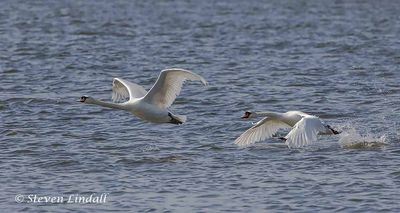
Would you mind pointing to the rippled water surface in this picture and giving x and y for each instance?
(336, 59)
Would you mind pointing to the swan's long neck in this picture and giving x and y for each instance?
(107, 104)
(267, 114)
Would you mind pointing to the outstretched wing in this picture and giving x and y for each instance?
(168, 86)
(262, 130)
(123, 90)
(304, 132)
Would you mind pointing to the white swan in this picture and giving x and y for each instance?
(153, 105)
(305, 128)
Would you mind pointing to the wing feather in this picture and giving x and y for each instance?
(123, 90)
(169, 85)
(304, 132)
(262, 130)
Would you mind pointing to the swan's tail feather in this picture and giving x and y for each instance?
(178, 119)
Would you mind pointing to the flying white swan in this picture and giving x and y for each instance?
(305, 128)
(153, 105)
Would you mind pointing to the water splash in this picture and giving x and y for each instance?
(352, 139)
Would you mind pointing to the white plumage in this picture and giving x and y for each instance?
(305, 128)
(153, 105)
(124, 90)
(169, 85)
(262, 130)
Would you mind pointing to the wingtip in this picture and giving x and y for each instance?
(237, 143)
(175, 69)
(203, 80)
(205, 83)
(241, 144)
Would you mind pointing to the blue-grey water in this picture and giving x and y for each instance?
(338, 60)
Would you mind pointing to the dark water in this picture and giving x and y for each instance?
(335, 59)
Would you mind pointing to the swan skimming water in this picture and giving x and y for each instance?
(305, 128)
(153, 105)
